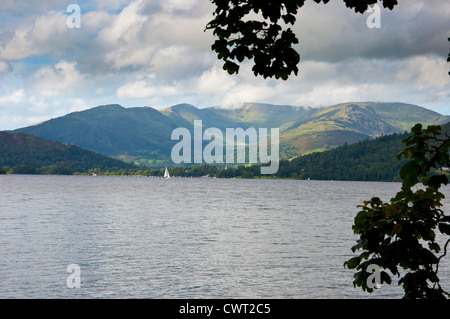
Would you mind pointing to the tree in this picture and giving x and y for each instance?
(402, 233)
(391, 234)
(265, 41)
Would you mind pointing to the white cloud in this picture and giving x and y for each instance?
(177, 5)
(95, 20)
(39, 35)
(215, 80)
(15, 97)
(79, 105)
(123, 36)
(246, 93)
(165, 40)
(425, 72)
(126, 25)
(58, 80)
(144, 89)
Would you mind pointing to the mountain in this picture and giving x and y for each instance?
(265, 115)
(353, 122)
(145, 133)
(248, 115)
(184, 115)
(27, 153)
(111, 130)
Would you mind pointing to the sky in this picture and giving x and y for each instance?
(157, 53)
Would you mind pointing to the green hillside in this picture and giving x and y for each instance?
(352, 122)
(265, 115)
(143, 134)
(369, 160)
(184, 115)
(111, 130)
(23, 153)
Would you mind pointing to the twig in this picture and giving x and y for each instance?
(439, 259)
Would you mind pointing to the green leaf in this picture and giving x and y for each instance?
(352, 263)
(436, 181)
(444, 228)
(289, 18)
(409, 173)
(434, 246)
(231, 67)
(385, 278)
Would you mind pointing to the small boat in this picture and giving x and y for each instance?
(166, 174)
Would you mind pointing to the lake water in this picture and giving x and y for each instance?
(136, 237)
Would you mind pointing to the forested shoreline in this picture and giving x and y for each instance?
(371, 160)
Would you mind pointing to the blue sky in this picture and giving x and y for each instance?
(156, 53)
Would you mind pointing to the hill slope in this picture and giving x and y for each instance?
(111, 130)
(352, 122)
(33, 154)
(370, 160)
(143, 132)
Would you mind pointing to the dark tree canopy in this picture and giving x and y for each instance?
(400, 236)
(264, 41)
(394, 236)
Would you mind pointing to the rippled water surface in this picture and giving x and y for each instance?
(182, 238)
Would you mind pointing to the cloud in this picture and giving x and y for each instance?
(178, 5)
(79, 105)
(4, 67)
(36, 36)
(110, 4)
(425, 72)
(15, 97)
(215, 80)
(335, 33)
(126, 26)
(29, 6)
(144, 89)
(156, 53)
(57, 80)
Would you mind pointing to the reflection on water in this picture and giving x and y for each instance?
(181, 238)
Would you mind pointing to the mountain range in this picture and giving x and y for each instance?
(145, 133)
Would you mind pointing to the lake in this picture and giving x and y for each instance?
(144, 237)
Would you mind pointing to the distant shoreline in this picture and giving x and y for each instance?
(201, 177)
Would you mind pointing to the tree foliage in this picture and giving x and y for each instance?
(401, 234)
(264, 40)
(33, 155)
(369, 160)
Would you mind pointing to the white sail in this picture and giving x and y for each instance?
(166, 173)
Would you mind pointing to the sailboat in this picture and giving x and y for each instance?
(166, 174)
